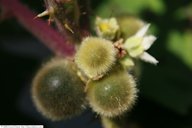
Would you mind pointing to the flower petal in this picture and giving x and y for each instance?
(148, 58)
(132, 42)
(136, 52)
(142, 31)
(148, 41)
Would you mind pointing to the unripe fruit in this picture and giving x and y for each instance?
(57, 91)
(129, 25)
(95, 56)
(112, 95)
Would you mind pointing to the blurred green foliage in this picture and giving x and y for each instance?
(180, 44)
(131, 6)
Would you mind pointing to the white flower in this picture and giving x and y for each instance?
(137, 45)
(106, 28)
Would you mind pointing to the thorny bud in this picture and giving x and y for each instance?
(57, 91)
(65, 13)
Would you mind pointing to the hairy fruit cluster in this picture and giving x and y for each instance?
(111, 90)
(98, 74)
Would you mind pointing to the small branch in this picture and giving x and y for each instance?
(4, 14)
(51, 38)
(65, 14)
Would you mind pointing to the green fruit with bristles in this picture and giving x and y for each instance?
(95, 56)
(57, 91)
(129, 25)
(112, 95)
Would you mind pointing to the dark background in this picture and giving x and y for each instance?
(165, 96)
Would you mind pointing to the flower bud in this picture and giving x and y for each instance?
(106, 28)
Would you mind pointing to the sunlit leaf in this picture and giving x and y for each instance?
(112, 7)
(180, 44)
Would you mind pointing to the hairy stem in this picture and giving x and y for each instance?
(71, 17)
(51, 38)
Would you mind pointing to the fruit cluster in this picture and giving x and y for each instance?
(98, 75)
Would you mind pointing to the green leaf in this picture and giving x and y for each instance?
(184, 12)
(112, 7)
(181, 45)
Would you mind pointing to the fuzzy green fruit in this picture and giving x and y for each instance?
(57, 92)
(95, 56)
(129, 25)
(112, 95)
